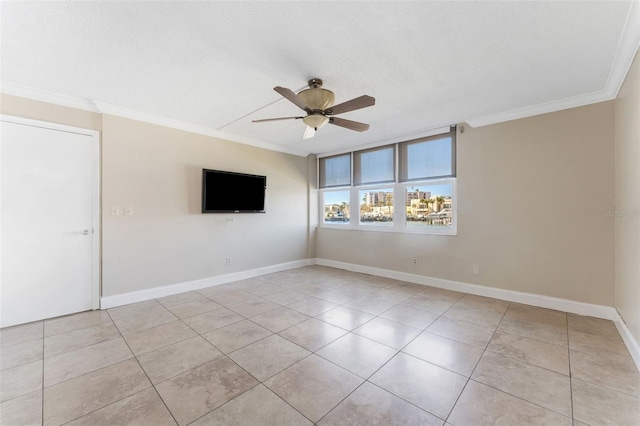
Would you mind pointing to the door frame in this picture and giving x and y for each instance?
(95, 196)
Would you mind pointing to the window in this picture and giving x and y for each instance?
(376, 206)
(336, 207)
(403, 187)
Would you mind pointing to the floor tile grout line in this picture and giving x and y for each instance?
(573, 418)
(150, 381)
(477, 362)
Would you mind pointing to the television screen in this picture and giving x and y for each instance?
(229, 192)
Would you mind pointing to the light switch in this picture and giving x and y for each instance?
(115, 211)
(128, 211)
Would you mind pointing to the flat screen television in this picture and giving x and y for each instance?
(229, 192)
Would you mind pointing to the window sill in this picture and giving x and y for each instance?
(449, 230)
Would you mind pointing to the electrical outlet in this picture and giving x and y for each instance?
(115, 211)
(476, 269)
(128, 211)
(414, 261)
(230, 219)
(228, 261)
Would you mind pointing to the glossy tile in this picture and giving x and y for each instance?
(534, 314)
(339, 296)
(313, 386)
(194, 307)
(370, 405)
(312, 334)
(472, 301)
(211, 320)
(78, 339)
(594, 326)
(72, 364)
(196, 392)
(542, 387)
(74, 322)
(387, 332)
(257, 406)
(77, 397)
(279, 319)
(371, 305)
(591, 343)
(410, 316)
(462, 331)
(268, 356)
(549, 333)
(428, 386)
(144, 408)
(263, 289)
(312, 306)
(357, 354)
(156, 337)
(21, 380)
(617, 372)
(597, 405)
(175, 359)
(344, 317)
(450, 354)
(488, 317)
(149, 307)
(541, 354)
(24, 411)
(235, 336)
(21, 333)
(177, 299)
(254, 307)
(231, 297)
(286, 297)
(482, 405)
(22, 353)
(134, 323)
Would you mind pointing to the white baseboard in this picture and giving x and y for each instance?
(168, 290)
(627, 337)
(565, 305)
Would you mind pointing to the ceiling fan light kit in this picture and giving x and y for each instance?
(318, 104)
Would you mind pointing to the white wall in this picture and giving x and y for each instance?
(627, 200)
(531, 200)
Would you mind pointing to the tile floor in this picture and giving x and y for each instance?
(322, 346)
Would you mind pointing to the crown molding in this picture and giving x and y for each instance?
(625, 54)
(106, 108)
(46, 96)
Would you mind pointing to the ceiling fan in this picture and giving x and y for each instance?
(318, 104)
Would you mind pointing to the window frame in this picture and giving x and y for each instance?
(399, 188)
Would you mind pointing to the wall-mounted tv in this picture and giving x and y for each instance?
(229, 192)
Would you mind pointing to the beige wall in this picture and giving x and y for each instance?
(158, 171)
(27, 108)
(627, 193)
(531, 201)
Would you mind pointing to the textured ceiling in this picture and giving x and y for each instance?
(213, 65)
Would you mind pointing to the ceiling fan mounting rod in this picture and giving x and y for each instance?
(315, 83)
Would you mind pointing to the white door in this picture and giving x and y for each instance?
(49, 223)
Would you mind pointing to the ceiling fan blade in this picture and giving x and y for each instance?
(275, 119)
(357, 103)
(348, 124)
(291, 96)
(308, 133)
